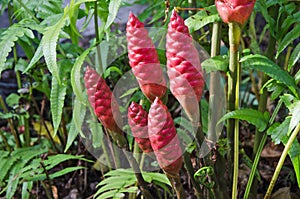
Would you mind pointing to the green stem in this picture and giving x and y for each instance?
(281, 161)
(263, 99)
(177, 185)
(11, 125)
(27, 132)
(5, 141)
(236, 139)
(190, 170)
(97, 37)
(215, 113)
(259, 151)
(233, 103)
(138, 174)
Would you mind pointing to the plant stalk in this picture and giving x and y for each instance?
(177, 185)
(263, 99)
(11, 124)
(259, 151)
(281, 161)
(98, 51)
(138, 174)
(190, 170)
(233, 103)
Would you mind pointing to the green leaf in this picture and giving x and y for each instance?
(26, 189)
(289, 37)
(57, 98)
(108, 194)
(113, 8)
(112, 69)
(78, 2)
(295, 115)
(71, 136)
(49, 42)
(76, 76)
(65, 171)
(129, 92)
(217, 63)
(294, 57)
(13, 100)
(54, 160)
(262, 63)
(202, 18)
(78, 116)
(8, 39)
(37, 56)
(97, 132)
(278, 131)
(252, 116)
(159, 177)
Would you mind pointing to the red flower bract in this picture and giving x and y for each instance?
(163, 138)
(144, 60)
(91, 78)
(106, 107)
(138, 122)
(184, 67)
(235, 10)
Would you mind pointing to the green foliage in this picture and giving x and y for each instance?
(121, 181)
(202, 18)
(8, 39)
(24, 166)
(252, 116)
(57, 98)
(262, 63)
(217, 63)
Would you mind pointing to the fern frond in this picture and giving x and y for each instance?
(8, 39)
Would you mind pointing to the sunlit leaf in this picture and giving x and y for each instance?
(252, 116)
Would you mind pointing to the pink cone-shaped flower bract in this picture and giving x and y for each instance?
(143, 59)
(106, 107)
(163, 138)
(184, 67)
(91, 78)
(235, 10)
(138, 122)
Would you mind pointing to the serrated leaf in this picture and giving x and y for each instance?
(49, 42)
(57, 98)
(217, 63)
(79, 112)
(65, 171)
(278, 131)
(113, 8)
(295, 115)
(252, 116)
(71, 136)
(7, 42)
(97, 132)
(54, 160)
(202, 18)
(289, 37)
(262, 63)
(37, 56)
(76, 76)
(294, 57)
